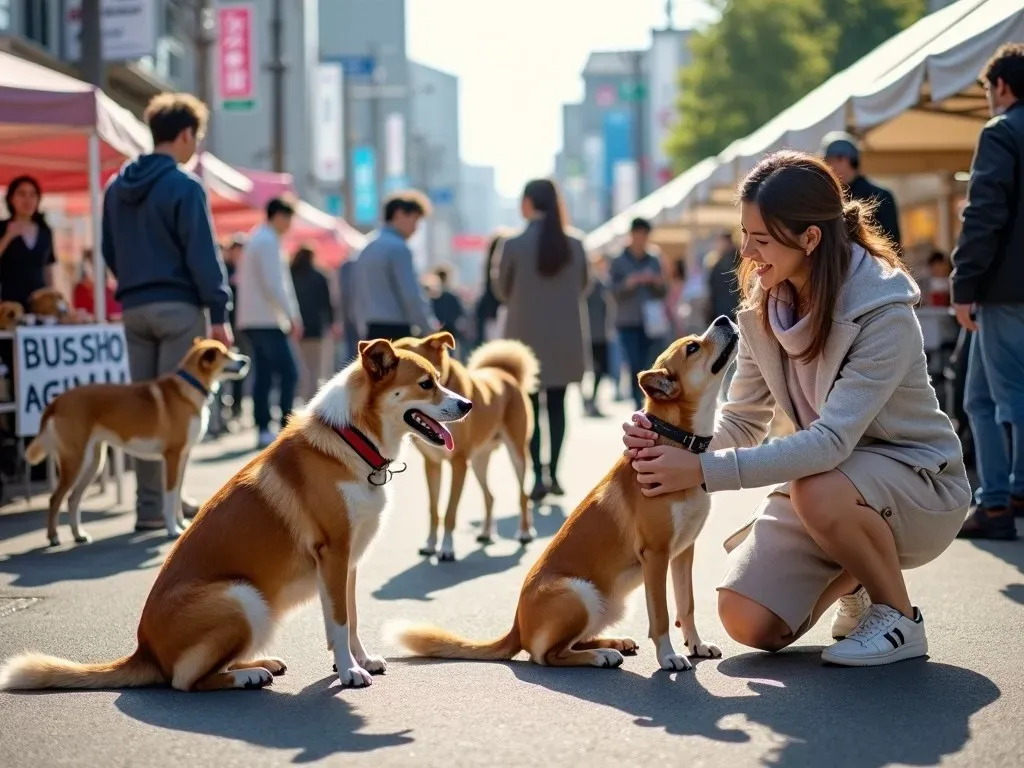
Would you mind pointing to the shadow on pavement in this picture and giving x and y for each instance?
(547, 519)
(427, 577)
(33, 521)
(1011, 553)
(912, 713)
(82, 562)
(220, 458)
(317, 721)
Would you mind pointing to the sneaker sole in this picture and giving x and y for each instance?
(912, 650)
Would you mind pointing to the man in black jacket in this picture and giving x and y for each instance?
(841, 152)
(988, 296)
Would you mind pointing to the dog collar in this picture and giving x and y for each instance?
(193, 382)
(691, 442)
(365, 449)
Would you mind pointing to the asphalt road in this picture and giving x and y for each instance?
(961, 707)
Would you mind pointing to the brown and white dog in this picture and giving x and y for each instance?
(294, 521)
(617, 538)
(157, 420)
(11, 313)
(498, 379)
(50, 303)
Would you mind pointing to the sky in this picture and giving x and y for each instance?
(518, 61)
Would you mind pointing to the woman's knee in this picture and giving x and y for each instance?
(750, 623)
(821, 501)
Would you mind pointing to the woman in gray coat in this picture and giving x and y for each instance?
(541, 277)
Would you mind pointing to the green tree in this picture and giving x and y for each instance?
(761, 56)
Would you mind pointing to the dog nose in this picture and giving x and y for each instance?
(465, 406)
(722, 322)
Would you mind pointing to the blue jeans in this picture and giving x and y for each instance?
(638, 351)
(994, 397)
(273, 358)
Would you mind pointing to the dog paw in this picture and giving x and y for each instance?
(704, 651)
(525, 537)
(277, 667)
(626, 645)
(355, 677)
(427, 551)
(673, 662)
(446, 556)
(82, 538)
(53, 541)
(485, 538)
(375, 665)
(175, 532)
(257, 677)
(607, 657)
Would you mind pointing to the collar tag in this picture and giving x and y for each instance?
(381, 471)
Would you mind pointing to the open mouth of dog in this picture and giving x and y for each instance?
(723, 359)
(432, 430)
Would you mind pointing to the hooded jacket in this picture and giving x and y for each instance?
(158, 238)
(872, 392)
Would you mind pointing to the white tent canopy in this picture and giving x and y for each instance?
(913, 100)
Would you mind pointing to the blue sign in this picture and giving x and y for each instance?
(442, 195)
(617, 126)
(355, 66)
(334, 205)
(364, 185)
(395, 183)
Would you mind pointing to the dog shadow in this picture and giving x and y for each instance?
(547, 519)
(226, 456)
(1010, 553)
(315, 723)
(427, 577)
(912, 713)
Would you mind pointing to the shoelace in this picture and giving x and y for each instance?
(874, 623)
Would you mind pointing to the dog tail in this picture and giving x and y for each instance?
(41, 444)
(441, 644)
(511, 356)
(34, 671)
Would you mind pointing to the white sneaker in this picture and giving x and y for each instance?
(884, 636)
(264, 439)
(851, 612)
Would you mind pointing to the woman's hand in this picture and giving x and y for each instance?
(638, 434)
(667, 469)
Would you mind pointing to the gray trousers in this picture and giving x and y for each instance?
(159, 336)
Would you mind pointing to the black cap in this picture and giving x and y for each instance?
(840, 144)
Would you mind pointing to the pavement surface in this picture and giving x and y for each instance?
(960, 707)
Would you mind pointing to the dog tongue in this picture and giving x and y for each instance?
(449, 441)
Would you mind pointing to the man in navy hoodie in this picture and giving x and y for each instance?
(171, 281)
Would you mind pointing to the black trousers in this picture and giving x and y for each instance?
(389, 331)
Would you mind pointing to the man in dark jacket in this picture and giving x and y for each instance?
(988, 296)
(157, 239)
(723, 282)
(840, 151)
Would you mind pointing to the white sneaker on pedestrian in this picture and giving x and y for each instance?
(884, 636)
(264, 439)
(851, 612)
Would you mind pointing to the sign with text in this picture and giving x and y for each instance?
(329, 123)
(235, 57)
(128, 29)
(364, 185)
(52, 359)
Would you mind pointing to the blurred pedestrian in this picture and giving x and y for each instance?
(159, 244)
(347, 308)
(268, 313)
(232, 253)
(638, 284)
(390, 302)
(83, 296)
(26, 244)
(600, 309)
(842, 152)
(723, 282)
(488, 304)
(448, 310)
(988, 297)
(541, 277)
(313, 293)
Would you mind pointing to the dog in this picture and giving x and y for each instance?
(162, 419)
(297, 518)
(617, 538)
(498, 379)
(50, 303)
(11, 314)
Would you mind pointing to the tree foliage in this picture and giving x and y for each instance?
(761, 56)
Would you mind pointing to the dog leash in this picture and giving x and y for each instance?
(381, 473)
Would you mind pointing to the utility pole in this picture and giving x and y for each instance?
(277, 68)
(347, 142)
(203, 40)
(377, 81)
(668, 15)
(90, 61)
(639, 123)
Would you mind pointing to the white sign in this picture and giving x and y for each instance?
(329, 123)
(128, 29)
(394, 145)
(625, 185)
(52, 359)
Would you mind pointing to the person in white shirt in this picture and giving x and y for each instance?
(268, 314)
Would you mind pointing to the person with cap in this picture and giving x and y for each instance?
(842, 153)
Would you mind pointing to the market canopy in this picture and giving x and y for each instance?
(46, 119)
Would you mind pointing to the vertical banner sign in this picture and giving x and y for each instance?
(328, 124)
(364, 185)
(235, 58)
(394, 146)
(54, 359)
(617, 126)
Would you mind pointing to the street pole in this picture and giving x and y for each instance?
(639, 103)
(277, 69)
(91, 44)
(377, 81)
(347, 141)
(204, 40)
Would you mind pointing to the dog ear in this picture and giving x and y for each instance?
(441, 340)
(378, 358)
(209, 358)
(658, 384)
(197, 339)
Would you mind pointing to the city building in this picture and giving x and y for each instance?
(478, 199)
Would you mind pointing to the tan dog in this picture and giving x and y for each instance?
(618, 538)
(50, 303)
(11, 313)
(158, 420)
(296, 519)
(498, 380)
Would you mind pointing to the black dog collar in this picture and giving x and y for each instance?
(192, 381)
(691, 442)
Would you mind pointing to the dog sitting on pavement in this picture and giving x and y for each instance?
(498, 379)
(162, 419)
(295, 520)
(618, 538)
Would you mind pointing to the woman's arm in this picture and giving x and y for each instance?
(885, 348)
(746, 417)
